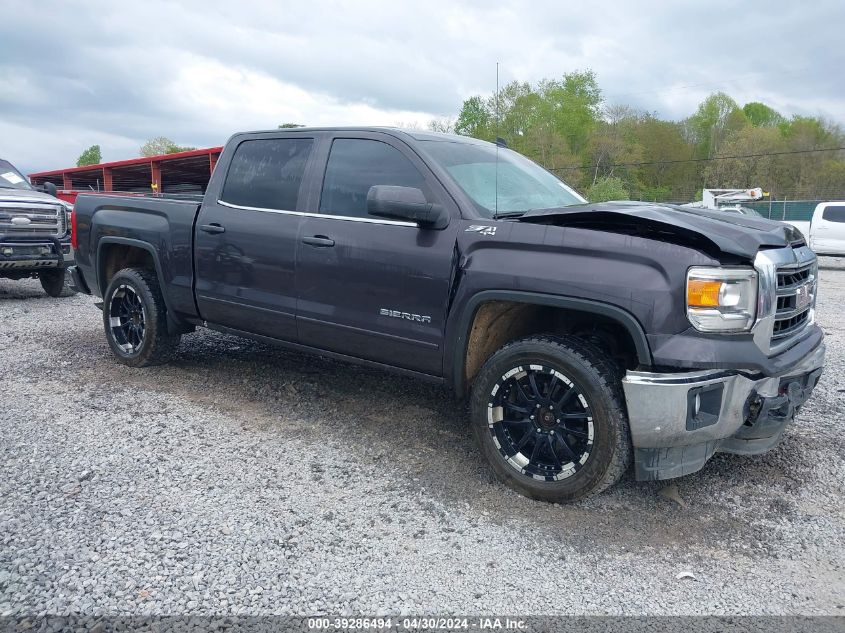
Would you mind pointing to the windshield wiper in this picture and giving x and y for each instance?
(509, 214)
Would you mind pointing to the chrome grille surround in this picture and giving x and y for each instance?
(45, 219)
(784, 274)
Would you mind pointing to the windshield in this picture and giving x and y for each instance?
(11, 178)
(522, 184)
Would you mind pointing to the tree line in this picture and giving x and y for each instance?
(153, 147)
(615, 151)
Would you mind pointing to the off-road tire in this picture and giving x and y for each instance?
(156, 345)
(56, 282)
(596, 377)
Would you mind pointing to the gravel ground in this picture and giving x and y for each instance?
(245, 479)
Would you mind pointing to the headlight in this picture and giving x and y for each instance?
(721, 299)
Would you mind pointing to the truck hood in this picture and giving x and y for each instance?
(710, 230)
(27, 195)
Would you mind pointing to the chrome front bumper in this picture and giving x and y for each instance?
(678, 420)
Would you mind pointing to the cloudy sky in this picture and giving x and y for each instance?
(115, 73)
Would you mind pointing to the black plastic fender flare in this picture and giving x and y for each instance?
(460, 336)
(174, 325)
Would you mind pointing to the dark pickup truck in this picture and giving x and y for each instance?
(585, 335)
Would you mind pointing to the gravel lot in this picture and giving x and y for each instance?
(245, 479)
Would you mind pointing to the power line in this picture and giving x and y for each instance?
(704, 160)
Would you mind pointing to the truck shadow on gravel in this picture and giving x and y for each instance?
(12, 291)
(418, 435)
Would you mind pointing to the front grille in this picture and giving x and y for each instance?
(796, 292)
(46, 220)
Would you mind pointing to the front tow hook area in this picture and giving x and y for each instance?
(679, 420)
(767, 417)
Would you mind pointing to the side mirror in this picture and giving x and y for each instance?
(47, 187)
(405, 203)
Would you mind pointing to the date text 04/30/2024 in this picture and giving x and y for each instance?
(416, 623)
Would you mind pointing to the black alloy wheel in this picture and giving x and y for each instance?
(541, 422)
(127, 319)
(549, 416)
(135, 319)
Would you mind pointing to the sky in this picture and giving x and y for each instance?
(78, 73)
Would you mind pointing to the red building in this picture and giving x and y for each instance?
(184, 172)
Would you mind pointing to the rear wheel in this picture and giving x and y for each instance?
(135, 319)
(548, 415)
(56, 282)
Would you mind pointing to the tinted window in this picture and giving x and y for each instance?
(834, 214)
(354, 166)
(267, 173)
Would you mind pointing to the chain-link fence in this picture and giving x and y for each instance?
(795, 210)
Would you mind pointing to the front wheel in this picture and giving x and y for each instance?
(56, 283)
(135, 319)
(548, 415)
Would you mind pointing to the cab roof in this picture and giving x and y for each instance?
(419, 135)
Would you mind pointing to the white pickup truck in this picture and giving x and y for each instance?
(825, 232)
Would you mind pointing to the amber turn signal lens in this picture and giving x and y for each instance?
(703, 293)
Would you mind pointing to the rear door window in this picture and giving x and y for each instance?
(834, 214)
(267, 173)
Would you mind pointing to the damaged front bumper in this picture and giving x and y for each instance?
(678, 420)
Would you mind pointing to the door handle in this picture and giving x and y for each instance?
(319, 241)
(212, 228)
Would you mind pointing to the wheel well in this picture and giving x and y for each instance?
(499, 322)
(115, 257)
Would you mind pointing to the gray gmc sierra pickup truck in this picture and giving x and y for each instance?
(586, 335)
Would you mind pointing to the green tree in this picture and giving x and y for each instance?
(573, 104)
(613, 143)
(664, 150)
(707, 125)
(760, 171)
(474, 118)
(761, 115)
(608, 188)
(550, 122)
(162, 145)
(562, 124)
(286, 126)
(809, 132)
(91, 156)
(513, 111)
(802, 172)
(655, 194)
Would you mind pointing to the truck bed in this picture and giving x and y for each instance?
(163, 222)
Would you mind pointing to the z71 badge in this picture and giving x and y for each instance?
(481, 228)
